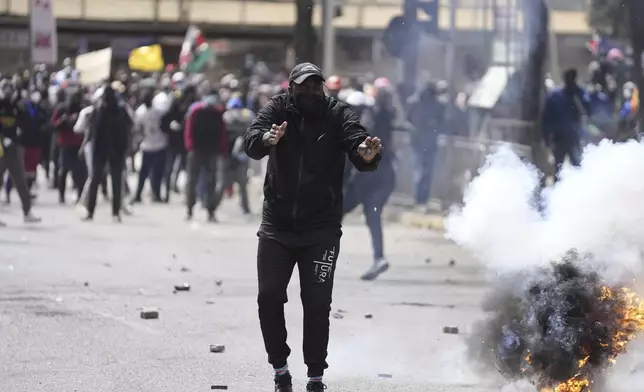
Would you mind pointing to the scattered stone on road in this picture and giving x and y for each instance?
(182, 287)
(185, 269)
(217, 348)
(86, 284)
(150, 313)
(450, 330)
(368, 316)
(219, 283)
(428, 260)
(338, 316)
(136, 279)
(452, 262)
(385, 375)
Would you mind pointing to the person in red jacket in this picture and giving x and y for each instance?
(69, 143)
(205, 141)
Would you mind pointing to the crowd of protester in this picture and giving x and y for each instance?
(603, 104)
(80, 136)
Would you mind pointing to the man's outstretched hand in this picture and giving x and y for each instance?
(275, 134)
(369, 148)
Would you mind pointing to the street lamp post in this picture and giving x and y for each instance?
(328, 32)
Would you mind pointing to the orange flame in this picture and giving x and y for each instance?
(630, 314)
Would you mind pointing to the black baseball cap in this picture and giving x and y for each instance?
(303, 71)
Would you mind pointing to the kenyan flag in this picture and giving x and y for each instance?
(195, 51)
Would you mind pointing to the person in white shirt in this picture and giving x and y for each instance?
(147, 124)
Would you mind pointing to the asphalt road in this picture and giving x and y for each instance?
(71, 294)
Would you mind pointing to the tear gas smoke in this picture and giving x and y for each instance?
(558, 317)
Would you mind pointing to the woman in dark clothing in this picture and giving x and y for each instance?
(372, 189)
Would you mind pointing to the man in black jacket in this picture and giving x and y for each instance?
(12, 110)
(306, 136)
(110, 135)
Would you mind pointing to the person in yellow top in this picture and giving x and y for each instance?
(628, 113)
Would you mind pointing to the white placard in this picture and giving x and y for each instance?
(94, 67)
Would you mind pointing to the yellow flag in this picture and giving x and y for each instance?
(1, 150)
(146, 59)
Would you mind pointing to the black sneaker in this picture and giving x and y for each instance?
(283, 383)
(316, 386)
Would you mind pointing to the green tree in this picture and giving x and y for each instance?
(609, 17)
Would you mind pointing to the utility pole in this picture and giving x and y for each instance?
(328, 32)
(450, 61)
(410, 58)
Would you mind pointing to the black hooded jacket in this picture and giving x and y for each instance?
(303, 184)
(111, 125)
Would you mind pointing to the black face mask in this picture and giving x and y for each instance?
(308, 103)
(110, 100)
(6, 94)
(147, 99)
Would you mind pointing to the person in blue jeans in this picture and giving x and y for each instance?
(427, 116)
(153, 145)
(372, 189)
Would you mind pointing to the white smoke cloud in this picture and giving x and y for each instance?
(596, 209)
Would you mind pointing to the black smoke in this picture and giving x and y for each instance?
(547, 322)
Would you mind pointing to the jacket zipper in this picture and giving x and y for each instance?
(299, 176)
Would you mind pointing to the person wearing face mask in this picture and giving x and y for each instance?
(69, 144)
(110, 128)
(173, 124)
(11, 156)
(372, 189)
(207, 145)
(565, 115)
(306, 136)
(237, 119)
(427, 116)
(154, 143)
(83, 127)
(32, 122)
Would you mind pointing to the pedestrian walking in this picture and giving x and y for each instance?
(207, 144)
(111, 124)
(11, 156)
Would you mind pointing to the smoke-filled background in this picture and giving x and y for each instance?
(545, 319)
